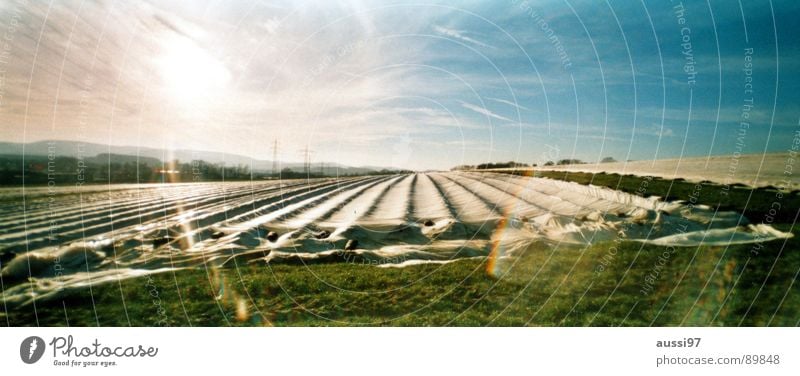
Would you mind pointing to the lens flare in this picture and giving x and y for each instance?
(499, 241)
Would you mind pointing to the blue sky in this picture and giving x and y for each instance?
(406, 84)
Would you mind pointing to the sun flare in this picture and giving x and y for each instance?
(189, 72)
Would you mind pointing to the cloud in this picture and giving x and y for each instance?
(458, 34)
(655, 130)
(517, 105)
(271, 25)
(484, 111)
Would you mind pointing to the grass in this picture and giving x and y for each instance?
(706, 286)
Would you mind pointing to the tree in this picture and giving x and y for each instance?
(569, 161)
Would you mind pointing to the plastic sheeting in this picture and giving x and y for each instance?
(103, 236)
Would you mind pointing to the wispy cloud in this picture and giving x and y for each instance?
(655, 130)
(512, 104)
(458, 34)
(483, 111)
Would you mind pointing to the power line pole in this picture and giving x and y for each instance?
(307, 162)
(275, 158)
(307, 159)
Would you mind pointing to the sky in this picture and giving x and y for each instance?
(419, 85)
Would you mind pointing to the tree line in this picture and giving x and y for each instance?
(114, 168)
(512, 164)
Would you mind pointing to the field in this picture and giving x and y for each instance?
(753, 170)
(418, 249)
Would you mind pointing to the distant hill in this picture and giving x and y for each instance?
(87, 149)
(121, 158)
(122, 154)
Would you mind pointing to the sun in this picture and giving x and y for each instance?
(190, 72)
